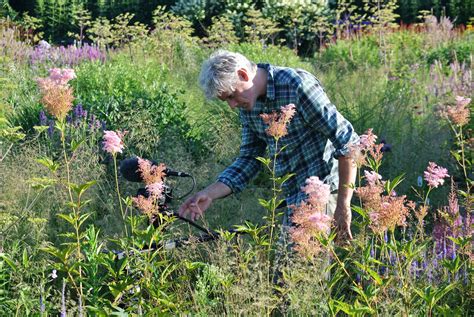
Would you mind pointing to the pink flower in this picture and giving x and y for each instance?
(156, 189)
(277, 122)
(61, 76)
(320, 221)
(317, 191)
(372, 177)
(367, 141)
(288, 112)
(113, 142)
(434, 175)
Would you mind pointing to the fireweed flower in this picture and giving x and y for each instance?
(434, 175)
(113, 143)
(309, 218)
(277, 122)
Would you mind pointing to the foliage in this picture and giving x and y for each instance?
(64, 207)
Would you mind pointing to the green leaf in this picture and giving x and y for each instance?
(371, 272)
(41, 182)
(40, 128)
(71, 218)
(47, 162)
(390, 185)
(265, 161)
(75, 144)
(7, 260)
(25, 259)
(80, 189)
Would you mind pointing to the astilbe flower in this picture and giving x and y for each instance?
(459, 114)
(434, 175)
(277, 123)
(153, 176)
(113, 143)
(309, 218)
(385, 211)
(57, 95)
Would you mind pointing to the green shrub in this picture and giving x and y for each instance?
(456, 51)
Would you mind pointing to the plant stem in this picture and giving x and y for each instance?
(123, 213)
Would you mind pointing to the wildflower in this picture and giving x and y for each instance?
(57, 99)
(43, 119)
(367, 141)
(390, 212)
(61, 76)
(150, 173)
(57, 95)
(366, 147)
(156, 189)
(310, 219)
(146, 205)
(113, 142)
(317, 191)
(459, 114)
(372, 177)
(54, 274)
(434, 175)
(277, 122)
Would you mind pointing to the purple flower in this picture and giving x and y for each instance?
(42, 118)
(79, 112)
(51, 128)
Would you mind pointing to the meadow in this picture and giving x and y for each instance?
(76, 240)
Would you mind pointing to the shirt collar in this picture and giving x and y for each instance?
(270, 80)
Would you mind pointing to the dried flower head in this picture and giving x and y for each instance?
(434, 175)
(113, 143)
(277, 122)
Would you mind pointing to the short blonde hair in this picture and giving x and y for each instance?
(219, 72)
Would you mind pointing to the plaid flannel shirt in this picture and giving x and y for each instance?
(317, 135)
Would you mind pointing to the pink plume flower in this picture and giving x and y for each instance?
(434, 175)
(317, 191)
(61, 76)
(277, 122)
(156, 189)
(372, 177)
(320, 221)
(113, 142)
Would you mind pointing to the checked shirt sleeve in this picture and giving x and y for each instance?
(319, 113)
(246, 166)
